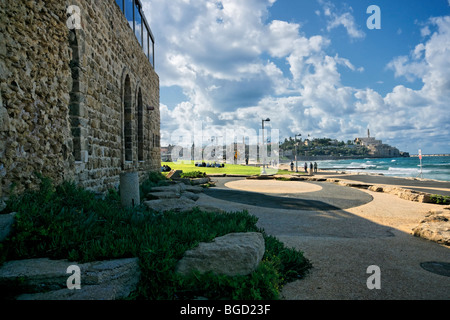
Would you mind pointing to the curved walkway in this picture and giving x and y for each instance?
(343, 231)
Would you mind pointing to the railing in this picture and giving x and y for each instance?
(132, 9)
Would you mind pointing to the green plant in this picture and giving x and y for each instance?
(154, 179)
(68, 222)
(440, 199)
(193, 174)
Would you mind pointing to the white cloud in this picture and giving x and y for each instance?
(344, 19)
(417, 113)
(227, 59)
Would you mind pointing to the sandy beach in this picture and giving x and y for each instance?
(343, 230)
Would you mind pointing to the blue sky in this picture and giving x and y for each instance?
(312, 66)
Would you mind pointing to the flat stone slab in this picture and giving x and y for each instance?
(193, 189)
(45, 279)
(233, 254)
(163, 195)
(174, 204)
(6, 224)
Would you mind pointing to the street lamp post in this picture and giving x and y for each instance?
(296, 144)
(264, 155)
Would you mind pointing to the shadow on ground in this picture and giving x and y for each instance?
(316, 214)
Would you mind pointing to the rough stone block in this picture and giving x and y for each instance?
(174, 204)
(174, 174)
(233, 254)
(45, 279)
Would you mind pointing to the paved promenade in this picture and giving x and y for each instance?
(343, 231)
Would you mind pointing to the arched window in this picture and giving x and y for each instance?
(76, 97)
(140, 126)
(127, 116)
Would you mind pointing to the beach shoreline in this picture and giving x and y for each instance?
(342, 242)
(344, 171)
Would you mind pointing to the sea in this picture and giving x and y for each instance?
(433, 168)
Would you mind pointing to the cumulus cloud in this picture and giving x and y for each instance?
(421, 112)
(235, 67)
(344, 19)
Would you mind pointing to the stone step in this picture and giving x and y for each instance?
(6, 224)
(45, 279)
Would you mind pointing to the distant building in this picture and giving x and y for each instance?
(377, 148)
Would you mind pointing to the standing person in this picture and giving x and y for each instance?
(292, 166)
(311, 168)
(306, 167)
(315, 166)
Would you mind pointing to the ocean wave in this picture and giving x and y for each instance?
(407, 170)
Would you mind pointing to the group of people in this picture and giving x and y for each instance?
(166, 168)
(209, 165)
(312, 167)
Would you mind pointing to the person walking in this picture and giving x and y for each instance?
(306, 167)
(292, 166)
(315, 166)
(311, 168)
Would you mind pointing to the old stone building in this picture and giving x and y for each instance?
(377, 148)
(79, 92)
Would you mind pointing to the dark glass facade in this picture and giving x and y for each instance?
(132, 9)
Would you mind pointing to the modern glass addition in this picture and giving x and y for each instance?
(138, 24)
(132, 10)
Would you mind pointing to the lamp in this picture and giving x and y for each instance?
(264, 156)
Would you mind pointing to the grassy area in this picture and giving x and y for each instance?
(67, 222)
(228, 169)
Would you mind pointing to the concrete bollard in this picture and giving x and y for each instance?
(129, 189)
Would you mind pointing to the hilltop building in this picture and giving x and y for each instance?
(377, 148)
(79, 93)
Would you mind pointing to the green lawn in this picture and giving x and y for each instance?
(228, 169)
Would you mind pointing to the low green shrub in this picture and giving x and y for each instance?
(154, 179)
(68, 222)
(440, 199)
(193, 174)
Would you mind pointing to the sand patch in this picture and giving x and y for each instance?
(273, 186)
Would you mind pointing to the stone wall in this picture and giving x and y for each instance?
(75, 104)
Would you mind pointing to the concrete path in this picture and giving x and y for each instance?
(342, 231)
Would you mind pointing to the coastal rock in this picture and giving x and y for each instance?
(407, 194)
(435, 227)
(376, 188)
(233, 254)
